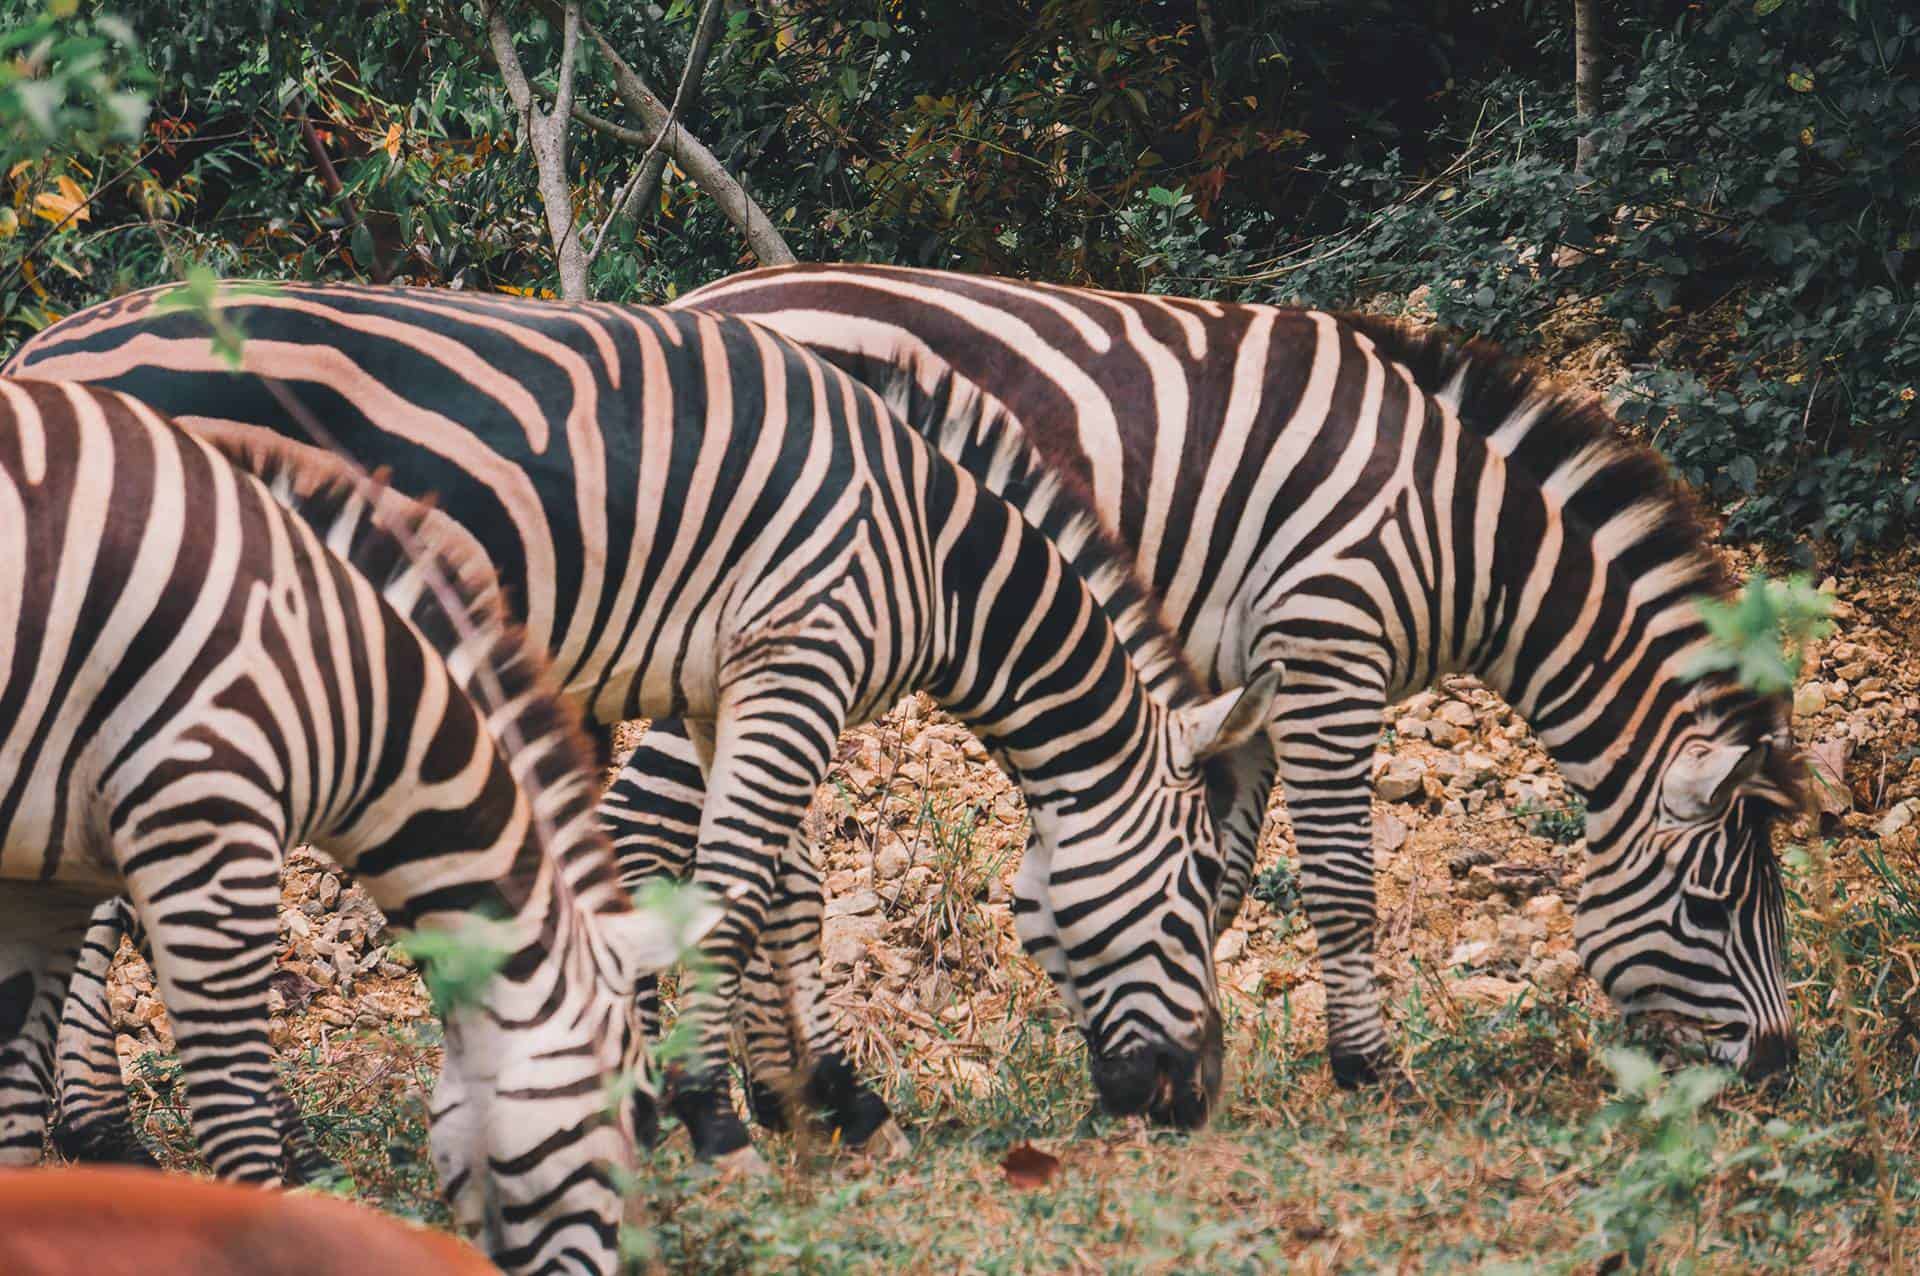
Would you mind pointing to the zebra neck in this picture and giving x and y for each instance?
(1027, 657)
(1594, 657)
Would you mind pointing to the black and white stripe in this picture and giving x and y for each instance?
(1376, 507)
(703, 521)
(199, 669)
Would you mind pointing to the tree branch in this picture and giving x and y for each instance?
(629, 199)
(700, 164)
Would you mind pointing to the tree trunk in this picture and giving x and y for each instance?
(701, 164)
(546, 136)
(1586, 80)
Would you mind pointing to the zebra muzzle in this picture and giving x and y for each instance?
(1168, 1083)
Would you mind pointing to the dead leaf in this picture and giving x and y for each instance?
(68, 202)
(392, 144)
(1827, 763)
(1027, 1167)
(295, 988)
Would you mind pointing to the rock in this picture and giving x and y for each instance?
(1808, 699)
(1444, 734)
(327, 890)
(1896, 819)
(858, 904)
(1827, 774)
(1486, 990)
(294, 988)
(1401, 780)
(1232, 945)
(1557, 972)
(1478, 768)
(893, 858)
(1545, 908)
(1457, 713)
(1389, 832)
(1465, 861)
(1472, 954)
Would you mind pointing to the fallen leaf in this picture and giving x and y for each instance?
(392, 144)
(1027, 1167)
(294, 987)
(1827, 762)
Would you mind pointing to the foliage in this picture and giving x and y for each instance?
(1762, 635)
(458, 961)
(71, 81)
(1278, 887)
(1564, 824)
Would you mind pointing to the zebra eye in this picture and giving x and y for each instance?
(1704, 911)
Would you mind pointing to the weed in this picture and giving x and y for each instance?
(1564, 824)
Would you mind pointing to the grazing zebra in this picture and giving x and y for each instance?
(1375, 507)
(701, 520)
(200, 668)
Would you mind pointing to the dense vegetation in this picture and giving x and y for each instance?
(1746, 226)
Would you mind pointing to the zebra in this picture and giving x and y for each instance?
(1374, 506)
(700, 520)
(207, 662)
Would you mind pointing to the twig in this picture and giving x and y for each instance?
(707, 16)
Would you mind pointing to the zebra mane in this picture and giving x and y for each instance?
(1540, 426)
(465, 618)
(981, 438)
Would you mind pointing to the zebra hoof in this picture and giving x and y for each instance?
(767, 1107)
(742, 1163)
(1357, 1071)
(106, 1143)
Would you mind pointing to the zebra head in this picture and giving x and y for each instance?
(1127, 933)
(561, 1104)
(1684, 917)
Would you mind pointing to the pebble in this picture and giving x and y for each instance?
(1232, 945)
(858, 904)
(1486, 990)
(1401, 780)
(1808, 699)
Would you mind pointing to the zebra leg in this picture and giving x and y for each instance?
(213, 952)
(40, 935)
(95, 1122)
(771, 752)
(652, 816)
(792, 1033)
(652, 813)
(1327, 736)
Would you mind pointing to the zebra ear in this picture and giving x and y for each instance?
(1205, 730)
(1700, 782)
(655, 935)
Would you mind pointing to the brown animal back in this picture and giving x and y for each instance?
(125, 1222)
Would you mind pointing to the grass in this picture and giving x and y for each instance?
(1532, 1140)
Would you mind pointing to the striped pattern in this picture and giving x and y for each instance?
(202, 668)
(1374, 508)
(702, 521)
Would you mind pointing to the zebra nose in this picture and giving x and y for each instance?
(1773, 1053)
(1170, 1084)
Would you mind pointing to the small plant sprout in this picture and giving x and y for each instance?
(459, 961)
(1762, 634)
